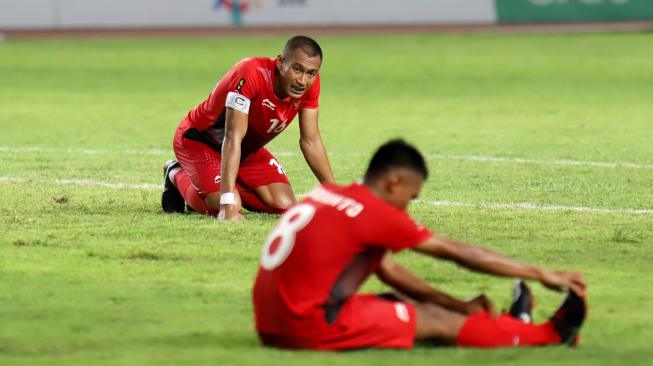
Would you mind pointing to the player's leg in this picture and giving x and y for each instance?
(198, 180)
(278, 196)
(263, 184)
(191, 194)
(483, 330)
(251, 201)
(437, 324)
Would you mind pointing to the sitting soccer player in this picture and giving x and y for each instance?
(324, 248)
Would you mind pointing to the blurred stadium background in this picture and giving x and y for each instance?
(84, 15)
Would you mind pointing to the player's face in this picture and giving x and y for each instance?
(298, 72)
(404, 187)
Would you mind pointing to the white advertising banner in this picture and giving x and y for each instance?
(66, 14)
(367, 12)
(19, 14)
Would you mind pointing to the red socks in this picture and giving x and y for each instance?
(481, 330)
(189, 192)
(250, 200)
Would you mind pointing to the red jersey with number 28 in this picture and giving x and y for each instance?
(319, 254)
(249, 88)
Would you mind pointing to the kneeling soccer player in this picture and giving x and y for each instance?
(223, 163)
(324, 248)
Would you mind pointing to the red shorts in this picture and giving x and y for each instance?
(202, 164)
(365, 321)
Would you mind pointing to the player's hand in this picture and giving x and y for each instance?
(562, 280)
(479, 303)
(230, 213)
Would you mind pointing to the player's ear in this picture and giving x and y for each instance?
(393, 182)
(279, 62)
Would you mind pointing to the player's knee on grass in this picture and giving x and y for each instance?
(437, 323)
(277, 195)
(282, 202)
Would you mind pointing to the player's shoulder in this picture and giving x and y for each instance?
(355, 194)
(254, 64)
(256, 70)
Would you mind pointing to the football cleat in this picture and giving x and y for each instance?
(171, 199)
(569, 317)
(523, 302)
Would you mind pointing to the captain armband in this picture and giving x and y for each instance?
(238, 102)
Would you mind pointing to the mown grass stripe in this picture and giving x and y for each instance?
(492, 205)
(473, 158)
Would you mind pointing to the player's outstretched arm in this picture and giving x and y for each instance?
(486, 261)
(310, 141)
(235, 130)
(408, 284)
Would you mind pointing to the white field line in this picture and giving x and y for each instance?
(96, 183)
(38, 149)
(497, 159)
(492, 205)
(473, 158)
(10, 179)
(536, 207)
(89, 183)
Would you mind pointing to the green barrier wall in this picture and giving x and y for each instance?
(525, 11)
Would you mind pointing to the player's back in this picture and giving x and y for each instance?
(318, 255)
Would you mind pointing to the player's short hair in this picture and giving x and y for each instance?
(394, 154)
(307, 44)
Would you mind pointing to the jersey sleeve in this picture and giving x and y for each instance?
(394, 230)
(243, 86)
(312, 97)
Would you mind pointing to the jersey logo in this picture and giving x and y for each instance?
(241, 83)
(402, 312)
(296, 105)
(267, 103)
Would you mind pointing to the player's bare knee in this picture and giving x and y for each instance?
(437, 323)
(431, 311)
(283, 202)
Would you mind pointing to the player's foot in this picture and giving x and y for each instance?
(523, 302)
(569, 317)
(171, 199)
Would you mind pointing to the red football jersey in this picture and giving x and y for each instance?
(319, 254)
(247, 87)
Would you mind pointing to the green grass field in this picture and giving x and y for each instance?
(93, 273)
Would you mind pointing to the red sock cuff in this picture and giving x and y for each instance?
(481, 330)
